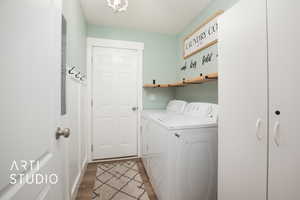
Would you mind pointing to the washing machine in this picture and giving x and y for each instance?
(183, 149)
(174, 107)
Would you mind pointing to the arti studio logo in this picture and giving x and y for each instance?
(27, 172)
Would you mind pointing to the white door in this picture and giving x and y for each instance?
(243, 102)
(284, 42)
(115, 99)
(30, 100)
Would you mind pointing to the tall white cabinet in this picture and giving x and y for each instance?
(259, 97)
(284, 93)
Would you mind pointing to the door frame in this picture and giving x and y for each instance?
(119, 44)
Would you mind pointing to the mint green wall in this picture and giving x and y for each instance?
(207, 92)
(163, 59)
(160, 59)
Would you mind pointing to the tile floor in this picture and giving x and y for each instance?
(121, 180)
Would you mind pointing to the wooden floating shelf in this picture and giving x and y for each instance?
(150, 86)
(164, 85)
(197, 80)
(213, 76)
(202, 79)
(178, 84)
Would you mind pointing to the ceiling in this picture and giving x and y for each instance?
(161, 16)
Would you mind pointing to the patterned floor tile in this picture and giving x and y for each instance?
(122, 196)
(105, 192)
(129, 164)
(119, 181)
(97, 184)
(104, 177)
(94, 195)
(106, 166)
(135, 167)
(99, 171)
(131, 174)
(138, 178)
(120, 169)
(144, 196)
(134, 189)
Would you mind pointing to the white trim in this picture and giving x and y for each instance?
(114, 159)
(98, 42)
(119, 44)
(78, 180)
(140, 102)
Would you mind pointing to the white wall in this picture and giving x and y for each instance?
(76, 56)
(74, 141)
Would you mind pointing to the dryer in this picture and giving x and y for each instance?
(182, 149)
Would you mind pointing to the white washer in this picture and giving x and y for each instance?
(174, 107)
(182, 154)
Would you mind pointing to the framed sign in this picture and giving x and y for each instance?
(204, 36)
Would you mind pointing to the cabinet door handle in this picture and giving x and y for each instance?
(276, 133)
(258, 125)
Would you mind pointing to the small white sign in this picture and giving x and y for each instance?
(205, 36)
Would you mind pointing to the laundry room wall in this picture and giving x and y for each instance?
(207, 92)
(160, 57)
(76, 155)
(76, 34)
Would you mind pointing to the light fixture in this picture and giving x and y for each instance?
(118, 5)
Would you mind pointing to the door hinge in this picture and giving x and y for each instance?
(92, 148)
(92, 103)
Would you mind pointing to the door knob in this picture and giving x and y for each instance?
(134, 108)
(62, 132)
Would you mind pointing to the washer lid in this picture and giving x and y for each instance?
(173, 107)
(149, 113)
(158, 114)
(176, 106)
(187, 122)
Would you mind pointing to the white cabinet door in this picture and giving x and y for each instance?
(30, 62)
(284, 42)
(243, 102)
(115, 97)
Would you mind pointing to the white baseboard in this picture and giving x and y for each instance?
(114, 159)
(78, 180)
